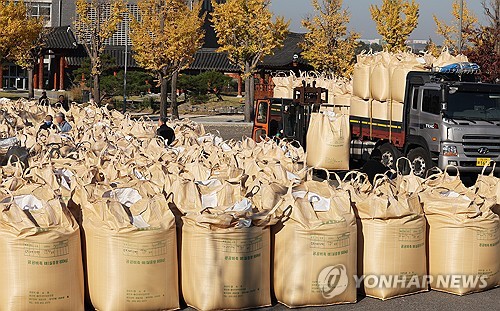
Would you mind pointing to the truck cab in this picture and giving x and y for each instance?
(455, 122)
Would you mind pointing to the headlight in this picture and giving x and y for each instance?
(450, 151)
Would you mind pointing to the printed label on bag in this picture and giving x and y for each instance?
(46, 250)
(237, 291)
(44, 297)
(330, 241)
(140, 296)
(411, 235)
(488, 234)
(153, 249)
(411, 238)
(239, 245)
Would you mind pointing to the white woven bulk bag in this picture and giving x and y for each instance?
(380, 82)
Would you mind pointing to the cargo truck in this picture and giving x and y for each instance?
(447, 119)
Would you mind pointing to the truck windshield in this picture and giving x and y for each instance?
(473, 105)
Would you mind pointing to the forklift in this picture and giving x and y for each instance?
(288, 118)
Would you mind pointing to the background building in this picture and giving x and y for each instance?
(63, 53)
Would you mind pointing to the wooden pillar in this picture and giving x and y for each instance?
(55, 73)
(35, 79)
(40, 73)
(61, 72)
(240, 86)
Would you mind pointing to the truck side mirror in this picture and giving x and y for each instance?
(444, 97)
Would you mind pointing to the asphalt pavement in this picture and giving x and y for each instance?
(432, 300)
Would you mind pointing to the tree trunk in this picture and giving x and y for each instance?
(252, 96)
(97, 89)
(31, 87)
(163, 97)
(173, 96)
(1, 73)
(248, 93)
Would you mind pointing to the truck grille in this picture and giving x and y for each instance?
(472, 144)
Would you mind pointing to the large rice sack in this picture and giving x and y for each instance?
(464, 237)
(226, 258)
(280, 87)
(380, 82)
(342, 100)
(40, 252)
(131, 252)
(391, 240)
(398, 82)
(361, 80)
(397, 110)
(488, 188)
(328, 141)
(360, 108)
(381, 110)
(315, 247)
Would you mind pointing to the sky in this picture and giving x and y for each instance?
(296, 10)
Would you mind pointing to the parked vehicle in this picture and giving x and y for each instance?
(448, 119)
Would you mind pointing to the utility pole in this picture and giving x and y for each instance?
(125, 20)
(461, 26)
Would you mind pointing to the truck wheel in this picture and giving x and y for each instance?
(420, 161)
(388, 155)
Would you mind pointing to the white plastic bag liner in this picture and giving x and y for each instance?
(126, 196)
(65, 177)
(27, 202)
(320, 204)
(242, 206)
(209, 199)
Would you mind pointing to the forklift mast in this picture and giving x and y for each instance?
(306, 100)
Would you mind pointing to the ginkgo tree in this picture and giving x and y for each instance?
(29, 47)
(96, 21)
(328, 46)
(395, 20)
(451, 32)
(12, 19)
(247, 33)
(165, 38)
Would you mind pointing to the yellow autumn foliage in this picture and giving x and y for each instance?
(450, 32)
(246, 31)
(328, 47)
(395, 20)
(12, 26)
(166, 36)
(96, 21)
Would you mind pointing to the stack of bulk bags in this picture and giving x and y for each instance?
(397, 111)
(281, 86)
(391, 239)
(131, 252)
(380, 81)
(342, 96)
(315, 247)
(445, 58)
(284, 83)
(464, 236)
(381, 110)
(226, 257)
(328, 141)
(361, 76)
(40, 252)
(360, 107)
